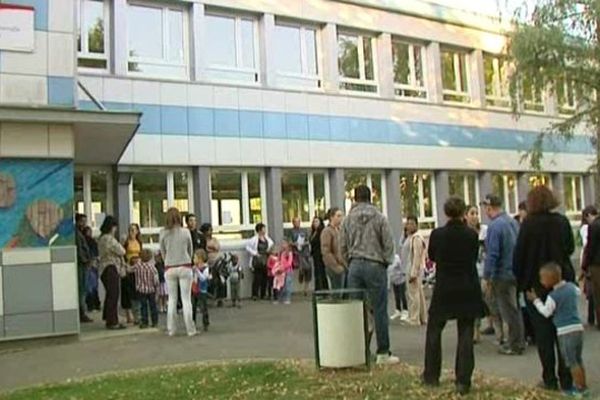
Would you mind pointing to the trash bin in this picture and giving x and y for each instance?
(340, 328)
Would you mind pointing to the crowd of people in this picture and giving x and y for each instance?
(512, 277)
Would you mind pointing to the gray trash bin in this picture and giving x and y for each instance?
(340, 328)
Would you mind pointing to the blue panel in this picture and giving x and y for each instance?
(87, 105)
(150, 122)
(40, 14)
(251, 124)
(173, 120)
(61, 91)
(201, 121)
(297, 126)
(227, 123)
(115, 106)
(318, 127)
(274, 125)
(340, 128)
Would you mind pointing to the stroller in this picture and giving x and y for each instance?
(219, 273)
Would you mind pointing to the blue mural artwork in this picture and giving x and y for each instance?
(36, 203)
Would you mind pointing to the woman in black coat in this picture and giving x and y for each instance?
(545, 236)
(456, 295)
(317, 257)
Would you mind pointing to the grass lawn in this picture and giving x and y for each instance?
(271, 380)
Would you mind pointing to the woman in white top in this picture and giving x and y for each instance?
(176, 249)
(258, 247)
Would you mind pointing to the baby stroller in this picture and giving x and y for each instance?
(219, 274)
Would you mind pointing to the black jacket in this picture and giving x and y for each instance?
(83, 251)
(591, 255)
(457, 293)
(198, 240)
(543, 238)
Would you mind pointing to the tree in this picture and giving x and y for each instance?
(556, 46)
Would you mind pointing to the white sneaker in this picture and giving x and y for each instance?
(397, 314)
(386, 359)
(192, 334)
(404, 315)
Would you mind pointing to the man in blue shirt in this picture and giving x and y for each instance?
(498, 272)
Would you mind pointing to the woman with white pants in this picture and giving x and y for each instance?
(176, 249)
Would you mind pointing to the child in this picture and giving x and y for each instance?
(561, 304)
(398, 279)
(284, 276)
(200, 287)
(146, 282)
(162, 284)
(235, 277)
(272, 266)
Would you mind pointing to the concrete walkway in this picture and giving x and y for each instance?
(258, 330)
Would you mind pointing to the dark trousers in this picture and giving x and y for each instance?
(259, 283)
(321, 282)
(400, 296)
(591, 311)
(148, 300)
(111, 280)
(201, 300)
(465, 357)
(547, 345)
(81, 286)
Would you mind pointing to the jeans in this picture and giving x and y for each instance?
(201, 299)
(400, 296)
(465, 357)
(336, 281)
(505, 292)
(285, 294)
(372, 277)
(176, 277)
(148, 300)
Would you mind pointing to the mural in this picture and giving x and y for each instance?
(36, 203)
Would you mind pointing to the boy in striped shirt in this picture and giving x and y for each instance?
(146, 282)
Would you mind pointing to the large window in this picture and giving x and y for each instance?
(455, 76)
(417, 190)
(464, 186)
(574, 196)
(496, 81)
(533, 96)
(153, 192)
(356, 62)
(303, 196)
(93, 195)
(566, 96)
(374, 180)
(157, 38)
(236, 202)
(505, 186)
(92, 34)
(296, 60)
(536, 180)
(409, 72)
(231, 44)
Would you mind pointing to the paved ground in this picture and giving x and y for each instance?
(257, 330)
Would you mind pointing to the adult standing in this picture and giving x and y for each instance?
(84, 260)
(177, 250)
(456, 295)
(498, 272)
(588, 216)
(301, 247)
(258, 247)
(91, 299)
(218, 272)
(111, 267)
(335, 265)
(133, 248)
(198, 240)
(368, 247)
(412, 256)
(545, 236)
(316, 254)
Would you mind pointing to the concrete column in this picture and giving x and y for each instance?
(433, 67)
(119, 53)
(522, 186)
(442, 191)
(124, 206)
(385, 65)
(558, 187)
(394, 203)
(328, 58)
(267, 49)
(197, 41)
(589, 190)
(337, 188)
(485, 188)
(202, 197)
(477, 82)
(274, 204)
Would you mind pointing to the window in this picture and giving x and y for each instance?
(236, 202)
(505, 186)
(356, 62)
(566, 96)
(409, 75)
(496, 81)
(417, 191)
(574, 196)
(464, 186)
(533, 98)
(303, 196)
(455, 76)
(157, 37)
(92, 37)
(153, 192)
(296, 55)
(93, 194)
(374, 180)
(231, 47)
(539, 180)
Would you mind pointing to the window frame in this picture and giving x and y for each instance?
(533, 106)
(412, 86)
(423, 219)
(311, 194)
(458, 81)
(86, 172)
(84, 54)
(369, 183)
(218, 68)
(165, 8)
(572, 178)
(506, 200)
(498, 99)
(465, 186)
(564, 108)
(361, 80)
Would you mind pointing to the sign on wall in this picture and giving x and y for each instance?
(16, 28)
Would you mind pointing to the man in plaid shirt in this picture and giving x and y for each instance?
(146, 282)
